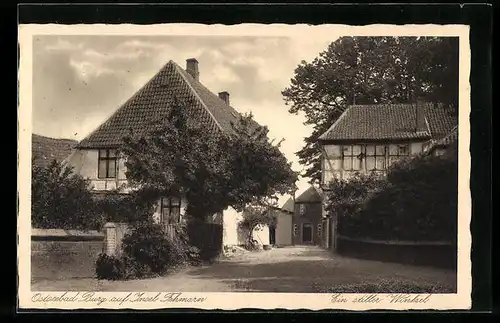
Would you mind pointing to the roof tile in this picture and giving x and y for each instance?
(311, 195)
(390, 121)
(151, 103)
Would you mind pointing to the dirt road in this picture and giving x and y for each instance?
(292, 269)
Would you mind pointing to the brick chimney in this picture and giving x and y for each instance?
(224, 96)
(420, 107)
(192, 68)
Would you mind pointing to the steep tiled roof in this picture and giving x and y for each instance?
(311, 195)
(45, 150)
(151, 103)
(390, 121)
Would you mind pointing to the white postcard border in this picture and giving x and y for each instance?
(29, 299)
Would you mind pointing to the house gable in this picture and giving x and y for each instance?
(152, 103)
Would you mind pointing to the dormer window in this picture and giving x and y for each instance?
(107, 167)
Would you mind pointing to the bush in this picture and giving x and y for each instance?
(416, 201)
(62, 200)
(149, 246)
(129, 208)
(148, 251)
(120, 268)
(193, 255)
(109, 267)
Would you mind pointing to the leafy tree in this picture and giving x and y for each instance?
(212, 171)
(62, 200)
(132, 208)
(256, 214)
(370, 70)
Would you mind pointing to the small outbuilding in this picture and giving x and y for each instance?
(307, 218)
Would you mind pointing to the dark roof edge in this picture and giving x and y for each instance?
(322, 136)
(121, 106)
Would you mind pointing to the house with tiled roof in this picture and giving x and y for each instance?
(307, 218)
(96, 158)
(440, 146)
(370, 138)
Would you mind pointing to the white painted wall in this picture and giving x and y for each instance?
(231, 218)
(261, 234)
(332, 160)
(85, 163)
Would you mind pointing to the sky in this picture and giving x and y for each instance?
(80, 80)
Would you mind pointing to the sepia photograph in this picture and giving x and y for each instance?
(166, 166)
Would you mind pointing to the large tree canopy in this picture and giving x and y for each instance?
(370, 70)
(211, 171)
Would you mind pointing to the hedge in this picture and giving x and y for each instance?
(416, 201)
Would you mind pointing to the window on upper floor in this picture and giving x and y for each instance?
(302, 209)
(352, 157)
(107, 163)
(375, 157)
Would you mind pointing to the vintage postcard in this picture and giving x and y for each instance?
(245, 166)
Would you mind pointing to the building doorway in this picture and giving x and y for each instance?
(307, 230)
(272, 235)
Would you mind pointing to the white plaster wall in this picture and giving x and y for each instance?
(261, 234)
(416, 147)
(231, 218)
(332, 167)
(85, 163)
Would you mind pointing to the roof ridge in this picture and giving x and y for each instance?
(193, 91)
(124, 104)
(335, 123)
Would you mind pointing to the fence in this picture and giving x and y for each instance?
(60, 254)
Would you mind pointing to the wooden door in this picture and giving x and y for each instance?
(307, 233)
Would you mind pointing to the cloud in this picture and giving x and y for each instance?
(87, 70)
(63, 45)
(224, 74)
